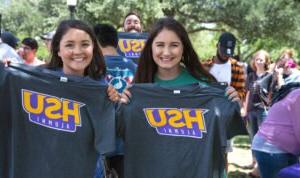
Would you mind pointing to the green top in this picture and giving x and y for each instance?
(184, 78)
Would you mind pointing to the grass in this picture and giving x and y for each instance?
(238, 174)
(242, 142)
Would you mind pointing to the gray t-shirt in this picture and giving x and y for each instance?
(49, 128)
(177, 132)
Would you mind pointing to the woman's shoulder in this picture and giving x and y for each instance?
(251, 76)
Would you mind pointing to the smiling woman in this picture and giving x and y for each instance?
(168, 54)
(75, 50)
(169, 59)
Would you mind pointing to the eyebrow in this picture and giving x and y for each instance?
(87, 41)
(177, 42)
(72, 41)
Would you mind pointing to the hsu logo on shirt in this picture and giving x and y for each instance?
(119, 78)
(52, 112)
(183, 122)
(131, 47)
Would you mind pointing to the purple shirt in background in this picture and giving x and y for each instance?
(282, 125)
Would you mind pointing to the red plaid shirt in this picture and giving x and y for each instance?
(237, 76)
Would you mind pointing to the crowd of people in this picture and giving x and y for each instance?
(267, 97)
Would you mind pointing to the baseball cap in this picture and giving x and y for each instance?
(227, 43)
(48, 35)
(10, 39)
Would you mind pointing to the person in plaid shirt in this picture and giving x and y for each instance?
(228, 70)
(224, 67)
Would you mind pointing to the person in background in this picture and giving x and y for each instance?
(285, 70)
(28, 50)
(8, 54)
(132, 23)
(255, 106)
(10, 39)
(120, 70)
(284, 55)
(120, 73)
(277, 142)
(47, 38)
(227, 69)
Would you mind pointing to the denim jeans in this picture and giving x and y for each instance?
(255, 118)
(270, 164)
(116, 160)
(99, 171)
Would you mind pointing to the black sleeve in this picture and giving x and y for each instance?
(249, 80)
(5, 124)
(2, 74)
(234, 122)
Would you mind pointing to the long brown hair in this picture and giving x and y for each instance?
(147, 68)
(96, 69)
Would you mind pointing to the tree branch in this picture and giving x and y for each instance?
(196, 18)
(208, 29)
(248, 55)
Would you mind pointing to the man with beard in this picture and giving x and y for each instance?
(132, 23)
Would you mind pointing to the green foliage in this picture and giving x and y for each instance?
(258, 24)
(15, 17)
(42, 53)
(113, 11)
(204, 43)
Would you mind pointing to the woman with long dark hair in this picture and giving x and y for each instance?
(169, 59)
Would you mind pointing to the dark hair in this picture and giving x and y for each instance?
(107, 35)
(32, 43)
(10, 39)
(147, 67)
(96, 68)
